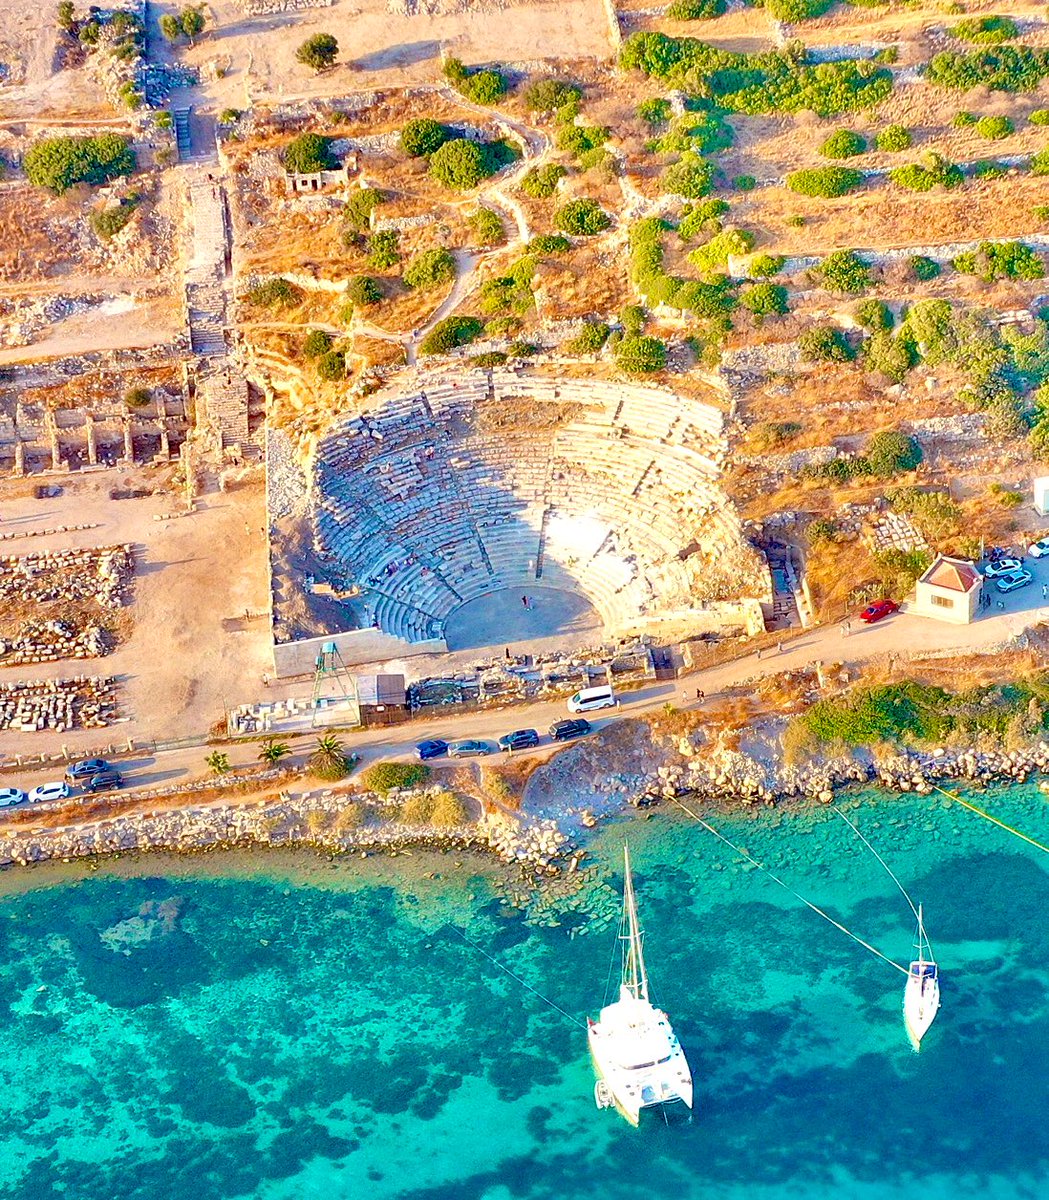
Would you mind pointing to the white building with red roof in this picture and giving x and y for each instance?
(949, 591)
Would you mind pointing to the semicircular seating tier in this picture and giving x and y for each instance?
(479, 483)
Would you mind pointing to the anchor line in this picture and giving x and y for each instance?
(786, 886)
(888, 869)
(994, 820)
(517, 978)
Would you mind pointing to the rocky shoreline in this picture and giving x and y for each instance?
(346, 822)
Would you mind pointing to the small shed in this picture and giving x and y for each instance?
(382, 699)
(949, 591)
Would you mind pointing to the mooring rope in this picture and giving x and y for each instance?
(786, 886)
(855, 830)
(516, 978)
(994, 820)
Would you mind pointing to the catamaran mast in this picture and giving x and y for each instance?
(635, 978)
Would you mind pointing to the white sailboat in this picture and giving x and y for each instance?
(638, 1057)
(921, 996)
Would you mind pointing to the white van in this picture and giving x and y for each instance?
(590, 698)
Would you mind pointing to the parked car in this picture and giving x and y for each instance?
(520, 739)
(104, 781)
(561, 731)
(877, 610)
(431, 748)
(469, 749)
(49, 791)
(9, 796)
(1039, 549)
(1002, 566)
(86, 768)
(1010, 583)
(588, 699)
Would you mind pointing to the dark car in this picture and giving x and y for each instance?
(431, 748)
(520, 739)
(86, 768)
(104, 781)
(877, 610)
(561, 731)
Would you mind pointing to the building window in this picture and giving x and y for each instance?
(942, 602)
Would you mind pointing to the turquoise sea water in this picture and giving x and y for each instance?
(324, 1031)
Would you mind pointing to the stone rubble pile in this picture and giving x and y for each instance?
(80, 702)
(100, 573)
(49, 641)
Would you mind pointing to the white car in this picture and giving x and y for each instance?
(49, 791)
(1002, 566)
(1039, 549)
(9, 796)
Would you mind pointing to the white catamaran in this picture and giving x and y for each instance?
(638, 1057)
(921, 996)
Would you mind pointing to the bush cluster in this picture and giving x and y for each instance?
(488, 227)
(318, 51)
(844, 271)
(843, 143)
(696, 10)
(450, 333)
(691, 176)
(582, 217)
(274, 293)
(541, 182)
(382, 250)
(704, 217)
(109, 221)
(549, 243)
(549, 95)
(59, 163)
(782, 81)
(429, 269)
(1004, 69)
(824, 181)
(894, 138)
(721, 247)
(986, 31)
(639, 354)
(483, 86)
(933, 170)
(588, 340)
(422, 136)
(383, 777)
(765, 299)
(991, 261)
(994, 128)
(825, 343)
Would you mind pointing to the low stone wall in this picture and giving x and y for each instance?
(354, 646)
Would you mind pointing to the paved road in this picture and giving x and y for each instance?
(901, 635)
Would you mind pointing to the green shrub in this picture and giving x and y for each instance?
(844, 271)
(578, 140)
(541, 182)
(548, 95)
(994, 128)
(582, 218)
(65, 17)
(138, 397)
(744, 183)
(890, 356)
(793, 11)
(894, 138)
(1003, 69)
(274, 293)
(316, 343)
(988, 168)
(1040, 116)
(632, 318)
(483, 86)
(59, 163)
(763, 265)
(363, 290)
(696, 10)
(318, 52)
(309, 152)
(923, 268)
(491, 358)
(109, 221)
(521, 349)
(986, 30)
(930, 324)
(450, 333)
(874, 315)
(510, 292)
(460, 164)
(638, 354)
(654, 111)
(824, 181)
(228, 116)
(382, 250)
(488, 227)
(898, 712)
(825, 344)
(721, 247)
(588, 340)
(359, 207)
(933, 170)
(549, 243)
(765, 299)
(1000, 260)
(449, 811)
(429, 269)
(422, 136)
(892, 452)
(383, 777)
(704, 217)
(690, 176)
(963, 119)
(331, 366)
(843, 143)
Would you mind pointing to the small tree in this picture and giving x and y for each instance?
(382, 250)
(363, 290)
(192, 22)
(825, 344)
(448, 334)
(328, 761)
(765, 299)
(894, 138)
(308, 153)
(272, 752)
(874, 315)
(430, 269)
(582, 217)
(827, 182)
(459, 164)
(892, 452)
(331, 367)
(488, 227)
(218, 762)
(318, 52)
(316, 343)
(170, 27)
(422, 136)
(548, 95)
(843, 143)
(641, 354)
(65, 16)
(137, 397)
(844, 271)
(994, 128)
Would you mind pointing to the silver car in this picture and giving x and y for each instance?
(468, 749)
(1014, 580)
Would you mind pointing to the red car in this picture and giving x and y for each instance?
(877, 610)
